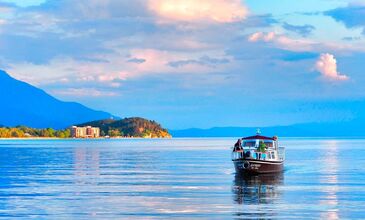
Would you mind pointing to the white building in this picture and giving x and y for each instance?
(85, 132)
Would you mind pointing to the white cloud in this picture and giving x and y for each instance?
(327, 66)
(222, 11)
(68, 71)
(83, 92)
(282, 41)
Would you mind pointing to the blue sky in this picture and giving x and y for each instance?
(188, 63)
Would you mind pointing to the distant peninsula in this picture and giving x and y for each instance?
(125, 128)
(129, 127)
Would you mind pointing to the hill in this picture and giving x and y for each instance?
(24, 104)
(129, 127)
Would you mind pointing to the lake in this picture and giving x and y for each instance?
(177, 179)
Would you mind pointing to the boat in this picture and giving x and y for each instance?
(258, 155)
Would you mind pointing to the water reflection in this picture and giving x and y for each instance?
(330, 176)
(87, 164)
(256, 192)
(256, 189)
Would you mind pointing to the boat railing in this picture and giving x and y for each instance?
(281, 153)
(236, 155)
(254, 154)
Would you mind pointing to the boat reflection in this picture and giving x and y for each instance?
(256, 194)
(259, 189)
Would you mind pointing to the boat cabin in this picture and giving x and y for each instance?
(258, 148)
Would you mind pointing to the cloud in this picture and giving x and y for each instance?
(110, 77)
(69, 71)
(351, 38)
(352, 16)
(261, 36)
(84, 92)
(6, 8)
(303, 30)
(327, 66)
(282, 41)
(136, 60)
(222, 11)
(93, 9)
(205, 60)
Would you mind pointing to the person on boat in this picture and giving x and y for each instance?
(238, 146)
(261, 150)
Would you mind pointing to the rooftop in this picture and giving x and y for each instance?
(260, 137)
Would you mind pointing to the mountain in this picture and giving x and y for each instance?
(131, 127)
(352, 126)
(334, 129)
(24, 104)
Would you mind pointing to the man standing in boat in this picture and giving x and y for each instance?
(238, 146)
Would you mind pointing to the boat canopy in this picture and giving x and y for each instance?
(258, 137)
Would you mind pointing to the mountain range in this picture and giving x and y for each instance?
(333, 129)
(24, 104)
(351, 126)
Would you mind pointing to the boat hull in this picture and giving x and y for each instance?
(251, 166)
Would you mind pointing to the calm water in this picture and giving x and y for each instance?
(177, 179)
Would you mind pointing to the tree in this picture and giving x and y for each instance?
(114, 133)
(15, 132)
(51, 132)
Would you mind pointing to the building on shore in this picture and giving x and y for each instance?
(85, 132)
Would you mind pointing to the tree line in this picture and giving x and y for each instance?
(23, 132)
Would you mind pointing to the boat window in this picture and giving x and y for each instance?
(269, 143)
(249, 143)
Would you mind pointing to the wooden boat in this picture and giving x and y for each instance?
(258, 154)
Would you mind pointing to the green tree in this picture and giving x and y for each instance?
(114, 133)
(51, 132)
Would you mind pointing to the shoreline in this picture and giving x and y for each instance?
(146, 138)
(100, 138)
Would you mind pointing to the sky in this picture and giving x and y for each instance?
(187, 63)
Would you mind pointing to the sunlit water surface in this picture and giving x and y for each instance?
(177, 179)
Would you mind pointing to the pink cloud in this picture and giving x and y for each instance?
(327, 66)
(222, 11)
(261, 36)
(113, 76)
